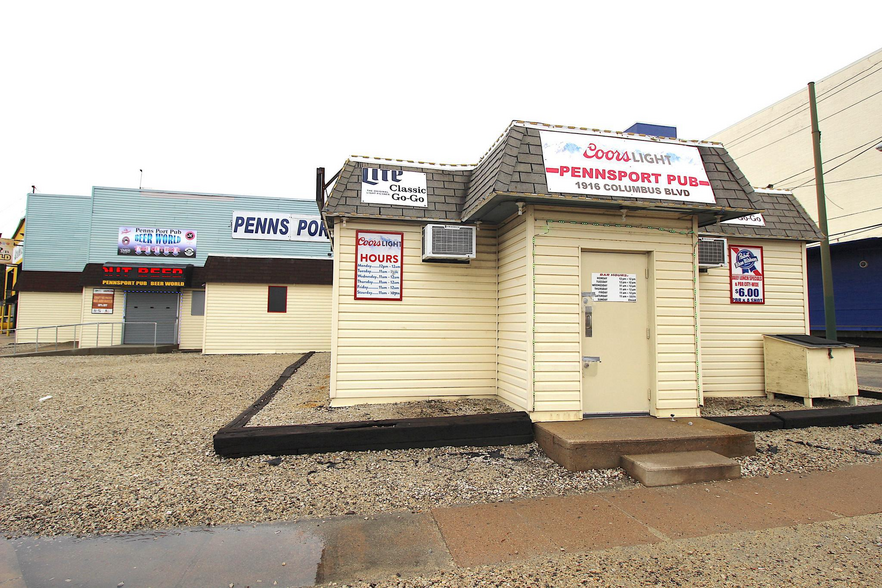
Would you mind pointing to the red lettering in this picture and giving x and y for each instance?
(143, 270)
(693, 181)
(593, 151)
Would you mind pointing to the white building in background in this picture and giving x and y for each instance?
(774, 146)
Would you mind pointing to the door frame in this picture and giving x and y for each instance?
(651, 319)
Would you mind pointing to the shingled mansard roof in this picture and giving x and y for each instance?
(513, 171)
(784, 218)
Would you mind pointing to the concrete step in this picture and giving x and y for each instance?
(680, 467)
(600, 443)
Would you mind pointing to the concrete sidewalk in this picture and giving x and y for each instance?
(352, 548)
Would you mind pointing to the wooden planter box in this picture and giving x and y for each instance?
(809, 367)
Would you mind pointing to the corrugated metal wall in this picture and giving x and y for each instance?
(43, 309)
(438, 341)
(237, 321)
(57, 233)
(210, 215)
(512, 376)
(731, 334)
(558, 369)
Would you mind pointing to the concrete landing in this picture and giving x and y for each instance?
(594, 444)
(680, 467)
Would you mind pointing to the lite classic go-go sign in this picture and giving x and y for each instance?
(395, 187)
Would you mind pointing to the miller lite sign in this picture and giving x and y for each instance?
(395, 187)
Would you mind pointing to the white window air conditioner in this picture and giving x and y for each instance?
(449, 242)
(712, 252)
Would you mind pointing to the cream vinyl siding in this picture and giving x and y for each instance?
(91, 335)
(558, 314)
(438, 341)
(191, 326)
(237, 321)
(512, 374)
(44, 309)
(732, 334)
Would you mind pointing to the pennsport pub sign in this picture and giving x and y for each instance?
(746, 275)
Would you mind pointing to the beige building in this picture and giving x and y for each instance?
(210, 272)
(571, 272)
(774, 146)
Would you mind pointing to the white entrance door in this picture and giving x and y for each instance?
(616, 364)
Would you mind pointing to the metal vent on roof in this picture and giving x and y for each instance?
(711, 252)
(449, 242)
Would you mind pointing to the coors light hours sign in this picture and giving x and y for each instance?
(624, 168)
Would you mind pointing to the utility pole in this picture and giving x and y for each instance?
(826, 264)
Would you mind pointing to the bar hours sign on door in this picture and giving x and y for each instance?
(614, 287)
(378, 265)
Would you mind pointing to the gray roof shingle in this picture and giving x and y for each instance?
(784, 216)
(514, 166)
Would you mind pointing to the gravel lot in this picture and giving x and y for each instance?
(124, 444)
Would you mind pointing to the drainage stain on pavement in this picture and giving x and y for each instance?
(258, 556)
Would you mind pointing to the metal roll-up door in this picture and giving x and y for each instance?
(151, 307)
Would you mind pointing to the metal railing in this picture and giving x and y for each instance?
(79, 334)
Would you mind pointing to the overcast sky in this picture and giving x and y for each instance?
(251, 97)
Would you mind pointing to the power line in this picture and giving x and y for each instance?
(852, 232)
(801, 108)
(854, 213)
(846, 180)
(835, 167)
(831, 160)
(808, 127)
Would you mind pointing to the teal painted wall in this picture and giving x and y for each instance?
(64, 233)
(210, 215)
(56, 232)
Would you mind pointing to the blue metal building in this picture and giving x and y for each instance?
(857, 287)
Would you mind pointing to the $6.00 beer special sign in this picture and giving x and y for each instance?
(746, 275)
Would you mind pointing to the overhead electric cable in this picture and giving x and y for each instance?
(831, 160)
(852, 158)
(798, 109)
(848, 180)
(854, 213)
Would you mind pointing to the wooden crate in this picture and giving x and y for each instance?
(809, 367)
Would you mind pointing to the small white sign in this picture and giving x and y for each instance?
(753, 220)
(277, 226)
(576, 163)
(378, 265)
(614, 287)
(395, 187)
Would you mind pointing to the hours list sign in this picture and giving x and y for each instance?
(614, 287)
(378, 261)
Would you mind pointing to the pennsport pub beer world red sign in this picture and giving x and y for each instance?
(150, 276)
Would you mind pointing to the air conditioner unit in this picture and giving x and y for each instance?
(712, 252)
(451, 242)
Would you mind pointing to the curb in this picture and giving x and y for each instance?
(800, 419)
